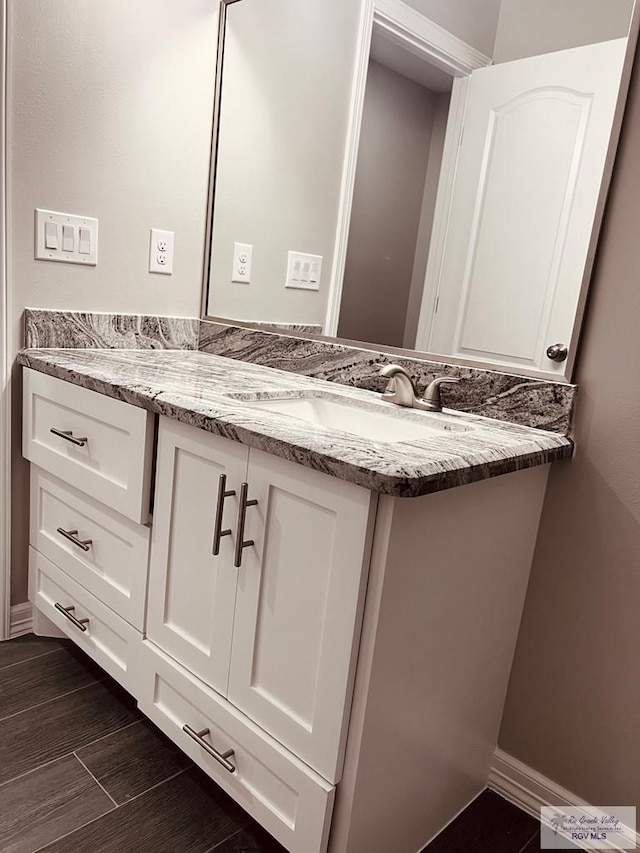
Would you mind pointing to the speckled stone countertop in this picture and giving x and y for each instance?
(215, 393)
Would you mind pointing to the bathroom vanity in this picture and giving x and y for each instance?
(321, 613)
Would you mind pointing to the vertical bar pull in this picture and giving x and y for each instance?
(218, 532)
(242, 514)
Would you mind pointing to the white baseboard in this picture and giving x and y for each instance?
(21, 619)
(529, 790)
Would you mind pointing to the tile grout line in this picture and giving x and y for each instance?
(95, 819)
(524, 847)
(53, 699)
(110, 734)
(28, 660)
(66, 754)
(34, 769)
(224, 840)
(97, 781)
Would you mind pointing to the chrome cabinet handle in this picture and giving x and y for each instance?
(218, 533)
(557, 352)
(69, 436)
(81, 624)
(72, 535)
(242, 514)
(220, 757)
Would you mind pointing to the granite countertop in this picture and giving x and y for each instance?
(215, 393)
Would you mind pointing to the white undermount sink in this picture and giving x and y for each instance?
(372, 423)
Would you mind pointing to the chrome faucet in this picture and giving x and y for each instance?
(402, 391)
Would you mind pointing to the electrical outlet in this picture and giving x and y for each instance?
(242, 257)
(161, 251)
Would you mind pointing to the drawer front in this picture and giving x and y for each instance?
(104, 551)
(291, 801)
(100, 445)
(107, 638)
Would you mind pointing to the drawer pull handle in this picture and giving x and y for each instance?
(72, 536)
(218, 533)
(81, 624)
(220, 757)
(69, 436)
(242, 514)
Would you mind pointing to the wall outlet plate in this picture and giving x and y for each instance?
(242, 260)
(161, 251)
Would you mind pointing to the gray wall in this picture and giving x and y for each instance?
(473, 21)
(423, 243)
(285, 110)
(530, 27)
(110, 108)
(574, 699)
(387, 203)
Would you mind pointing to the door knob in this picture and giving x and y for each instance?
(557, 352)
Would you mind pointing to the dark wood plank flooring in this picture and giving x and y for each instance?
(82, 769)
(490, 825)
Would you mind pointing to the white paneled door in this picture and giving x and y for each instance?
(528, 180)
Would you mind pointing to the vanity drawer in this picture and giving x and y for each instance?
(100, 445)
(291, 801)
(107, 638)
(105, 552)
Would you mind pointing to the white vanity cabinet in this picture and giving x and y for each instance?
(337, 660)
(274, 626)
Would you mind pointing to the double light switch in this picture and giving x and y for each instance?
(66, 237)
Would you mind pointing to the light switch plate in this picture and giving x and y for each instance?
(304, 271)
(61, 233)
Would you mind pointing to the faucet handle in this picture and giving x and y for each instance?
(391, 370)
(432, 396)
(400, 389)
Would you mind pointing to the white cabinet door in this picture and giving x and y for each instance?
(527, 187)
(298, 608)
(191, 591)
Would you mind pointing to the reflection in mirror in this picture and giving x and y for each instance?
(399, 159)
(472, 245)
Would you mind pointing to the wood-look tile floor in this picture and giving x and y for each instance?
(82, 769)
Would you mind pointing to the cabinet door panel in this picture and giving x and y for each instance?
(298, 607)
(191, 591)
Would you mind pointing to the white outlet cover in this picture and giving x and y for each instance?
(242, 259)
(72, 224)
(161, 251)
(303, 271)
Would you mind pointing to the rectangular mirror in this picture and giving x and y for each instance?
(425, 176)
